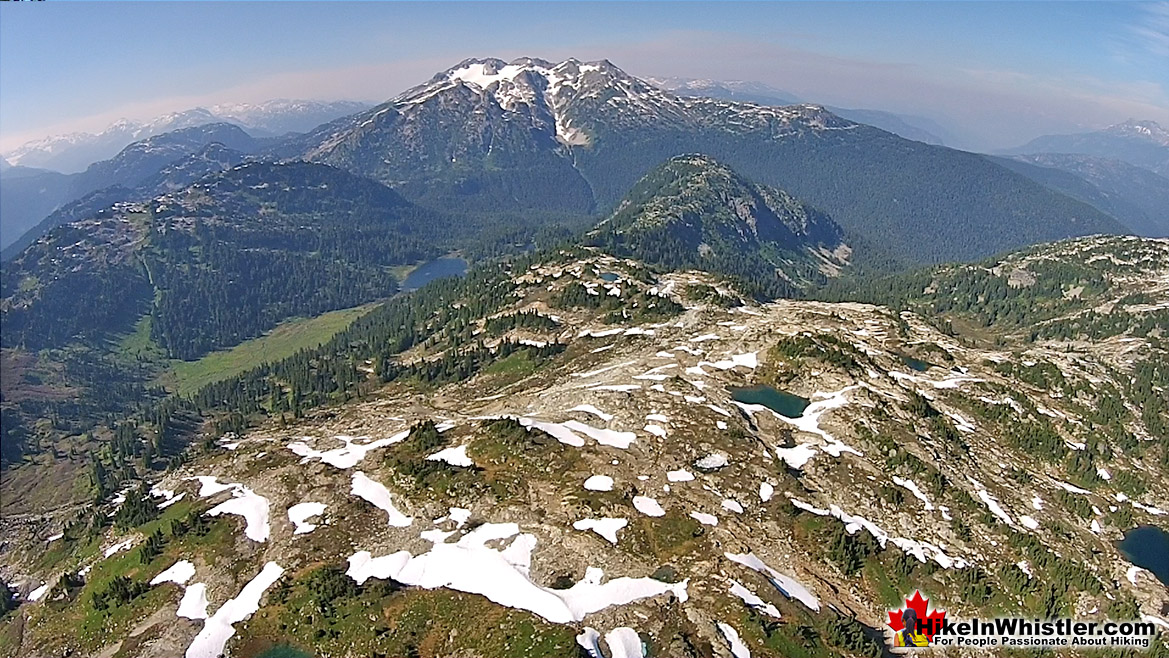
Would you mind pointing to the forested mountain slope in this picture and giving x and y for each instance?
(694, 212)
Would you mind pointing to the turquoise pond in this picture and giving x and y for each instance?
(1147, 546)
(436, 269)
(782, 403)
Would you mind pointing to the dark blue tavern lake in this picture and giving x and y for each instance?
(439, 268)
(781, 402)
(1147, 546)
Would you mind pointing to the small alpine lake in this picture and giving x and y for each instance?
(781, 402)
(916, 364)
(1147, 546)
(439, 268)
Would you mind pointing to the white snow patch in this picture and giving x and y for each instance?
(624, 642)
(606, 528)
(656, 430)
(766, 491)
(470, 566)
(590, 639)
(455, 456)
(604, 437)
(738, 649)
(712, 461)
(590, 409)
(194, 602)
(348, 455)
(648, 506)
(599, 483)
(1070, 487)
(1028, 522)
(121, 546)
(1132, 572)
(208, 485)
(752, 600)
(913, 489)
(377, 494)
(733, 506)
(37, 593)
(252, 507)
(787, 585)
(1148, 508)
(994, 507)
(704, 518)
(460, 516)
(219, 628)
(556, 431)
(300, 513)
(798, 456)
(178, 573)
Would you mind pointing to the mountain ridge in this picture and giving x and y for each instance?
(573, 137)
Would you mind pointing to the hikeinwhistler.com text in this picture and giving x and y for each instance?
(1041, 633)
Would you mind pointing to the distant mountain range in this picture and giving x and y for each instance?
(1134, 195)
(910, 127)
(1141, 143)
(28, 196)
(530, 143)
(74, 152)
(573, 137)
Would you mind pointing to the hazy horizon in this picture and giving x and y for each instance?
(1055, 67)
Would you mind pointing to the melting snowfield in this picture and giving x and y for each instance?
(179, 574)
(798, 456)
(787, 585)
(219, 628)
(922, 550)
(300, 513)
(377, 494)
(752, 600)
(194, 603)
(252, 507)
(738, 649)
(502, 576)
(606, 528)
(648, 506)
(346, 456)
(456, 456)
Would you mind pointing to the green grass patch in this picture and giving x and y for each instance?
(515, 366)
(186, 377)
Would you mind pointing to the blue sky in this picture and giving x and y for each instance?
(996, 73)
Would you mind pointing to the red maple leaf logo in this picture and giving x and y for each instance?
(930, 623)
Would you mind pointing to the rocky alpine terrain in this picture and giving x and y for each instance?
(610, 458)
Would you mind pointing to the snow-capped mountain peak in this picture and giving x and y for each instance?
(1147, 130)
